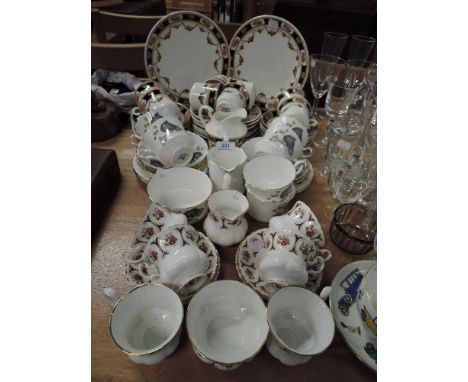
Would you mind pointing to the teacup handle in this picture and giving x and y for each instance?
(147, 154)
(299, 165)
(325, 254)
(201, 116)
(325, 293)
(111, 296)
(134, 140)
(203, 277)
(307, 152)
(316, 260)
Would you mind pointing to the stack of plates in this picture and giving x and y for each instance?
(252, 122)
(146, 168)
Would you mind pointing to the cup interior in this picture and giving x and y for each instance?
(179, 187)
(226, 322)
(269, 172)
(228, 203)
(146, 319)
(300, 320)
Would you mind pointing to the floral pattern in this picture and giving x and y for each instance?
(189, 21)
(272, 25)
(141, 260)
(245, 263)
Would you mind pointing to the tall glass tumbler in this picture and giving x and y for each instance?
(333, 43)
(361, 47)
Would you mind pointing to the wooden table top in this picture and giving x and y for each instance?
(337, 363)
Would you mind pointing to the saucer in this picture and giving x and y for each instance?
(200, 153)
(245, 264)
(142, 174)
(304, 182)
(140, 261)
(344, 289)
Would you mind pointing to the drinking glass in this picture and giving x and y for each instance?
(360, 72)
(361, 47)
(333, 43)
(339, 97)
(323, 69)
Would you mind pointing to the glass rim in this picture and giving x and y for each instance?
(363, 38)
(366, 62)
(338, 60)
(340, 34)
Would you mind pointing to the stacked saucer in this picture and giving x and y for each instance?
(145, 168)
(252, 122)
(304, 177)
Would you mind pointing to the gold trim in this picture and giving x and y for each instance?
(159, 347)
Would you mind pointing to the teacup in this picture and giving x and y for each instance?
(181, 190)
(184, 266)
(282, 268)
(297, 111)
(229, 100)
(263, 210)
(167, 140)
(226, 324)
(286, 124)
(268, 176)
(146, 322)
(265, 146)
(164, 107)
(204, 94)
(301, 325)
(140, 122)
(367, 301)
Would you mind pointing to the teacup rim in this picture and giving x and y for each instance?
(160, 346)
(250, 355)
(321, 302)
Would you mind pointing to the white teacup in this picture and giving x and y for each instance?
(265, 146)
(226, 324)
(229, 100)
(367, 301)
(185, 266)
(198, 95)
(282, 268)
(264, 210)
(287, 124)
(268, 176)
(167, 140)
(297, 111)
(146, 322)
(301, 325)
(165, 107)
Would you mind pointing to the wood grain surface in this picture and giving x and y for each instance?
(337, 363)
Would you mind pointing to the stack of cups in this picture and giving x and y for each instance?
(269, 181)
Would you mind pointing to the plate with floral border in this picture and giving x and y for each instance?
(247, 252)
(342, 299)
(183, 48)
(140, 259)
(271, 52)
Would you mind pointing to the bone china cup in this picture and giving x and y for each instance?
(181, 190)
(267, 176)
(367, 301)
(146, 322)
(301, 325)
(226, 324)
